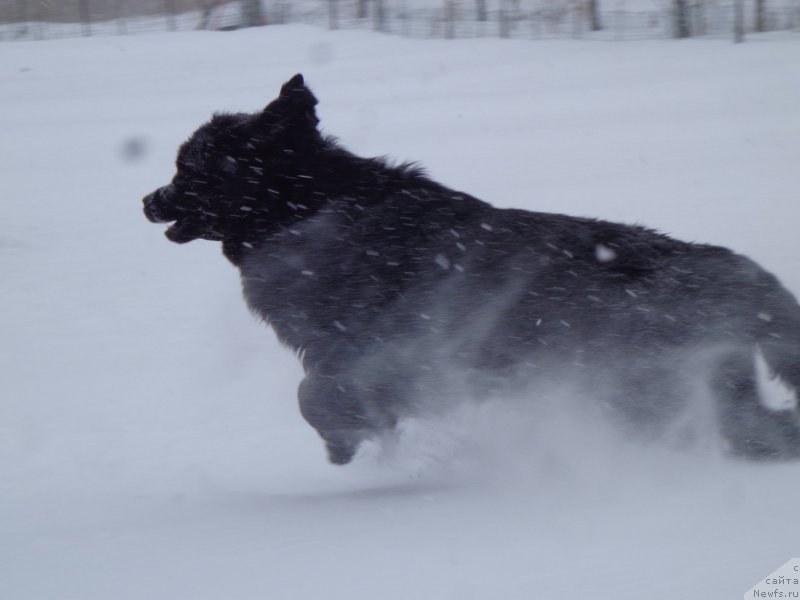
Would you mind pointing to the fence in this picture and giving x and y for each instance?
(595, 19)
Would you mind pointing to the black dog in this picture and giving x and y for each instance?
(384, 282)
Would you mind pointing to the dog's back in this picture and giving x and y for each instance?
(383, 294)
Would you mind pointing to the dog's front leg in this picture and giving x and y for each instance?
(336, 409)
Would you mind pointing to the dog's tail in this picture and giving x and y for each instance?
(759, 384)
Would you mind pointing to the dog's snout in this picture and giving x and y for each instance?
(153, 206)
(149, 207)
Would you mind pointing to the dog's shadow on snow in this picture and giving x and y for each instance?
(329, 496)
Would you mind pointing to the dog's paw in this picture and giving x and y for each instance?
(341, 453)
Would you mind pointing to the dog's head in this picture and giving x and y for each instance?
(232, 173)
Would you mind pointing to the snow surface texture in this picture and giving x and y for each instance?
(150, 446)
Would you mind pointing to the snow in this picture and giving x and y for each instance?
(776, 393)
(150, 445)
(604, 254)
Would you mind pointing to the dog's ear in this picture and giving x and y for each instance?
(295, 89)
(295, 105)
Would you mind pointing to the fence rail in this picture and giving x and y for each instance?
(597, 19)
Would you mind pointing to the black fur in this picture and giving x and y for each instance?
(384, 281)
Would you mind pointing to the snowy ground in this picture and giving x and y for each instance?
(150, 446)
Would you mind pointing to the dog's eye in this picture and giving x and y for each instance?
(192, 159)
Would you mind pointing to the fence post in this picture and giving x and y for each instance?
(481, 8)
(577, 20)
(449, 19)
(380, 15)
(404, 18)
(252, 13)
(169, 9)
(276, 16)
(681, 19)
(333, 14)
(86, 18)
(22, 17)
(504, 25)
(700, 21)
(738, 21)
(120, 16)
(22, 11)
(759, 17)
(593, 8)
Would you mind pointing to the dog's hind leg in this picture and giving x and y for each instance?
(752, 428)
(757, 382)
